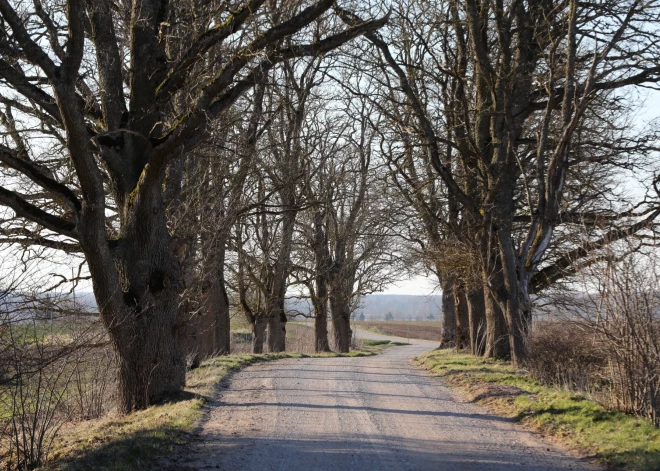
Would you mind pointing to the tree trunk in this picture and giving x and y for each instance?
(462, 316)
(448, 313)
(277, 330)
(141, 312)
(321, 343)
(150, 367)
(215, 335)
(144, 334)
(205, 324)
(258, 334)
(218, 303)
(322, 262)
(222, 323)
(509, 299)
(497, 340)
(477, 319)
(187, 335)
(341, 320)
(277, 317)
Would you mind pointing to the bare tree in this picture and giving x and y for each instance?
(513, 83)
(116, 104)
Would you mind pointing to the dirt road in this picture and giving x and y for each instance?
(371, 413)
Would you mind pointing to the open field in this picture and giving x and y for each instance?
(427, 330)
(614, 438)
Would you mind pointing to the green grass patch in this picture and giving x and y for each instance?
(134, 441)
(239, 323)
(616, 439)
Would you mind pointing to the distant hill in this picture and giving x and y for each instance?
(401, 307)
(373, 306)
(46, 306)
(378, 306)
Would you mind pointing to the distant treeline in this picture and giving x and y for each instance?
(383, 307)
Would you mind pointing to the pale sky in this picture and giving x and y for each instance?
(419, 285)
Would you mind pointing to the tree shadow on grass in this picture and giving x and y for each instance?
(110, 446)
(137, 450)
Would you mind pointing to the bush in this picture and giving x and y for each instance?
(610, 346)
(565, 355)
(52, 372)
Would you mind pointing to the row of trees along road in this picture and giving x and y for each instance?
(204, 155)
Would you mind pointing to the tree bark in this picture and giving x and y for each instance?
(150, 369)
(215, 332)
(497, 340)
(322, 262)
(277, 317)
(277, 329)
(509, 299)
(143, 328)
(217, 303)
(462, 316)
(476, 319)
(222, 323)
(321, 343)
(258, 333)
(448, 335)
(341, 319)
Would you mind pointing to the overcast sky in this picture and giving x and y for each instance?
(419, 285)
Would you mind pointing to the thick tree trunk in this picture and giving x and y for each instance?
(258, 334)
(203, 324)
(277, 330)
(497, 340)
(477, 319)
(320, 301)
(188, 318)
(141, 312)
(218, 303)
(341, 320)
(150, 366)
(222, 324)
(462, 316)
(187, 335)
(322, 262)
(509, 299)
(321, 343)
(215, 333)
(277, 317)
(448, 335)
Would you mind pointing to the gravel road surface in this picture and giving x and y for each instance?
(369, 413)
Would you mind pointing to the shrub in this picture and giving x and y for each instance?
(566, 355)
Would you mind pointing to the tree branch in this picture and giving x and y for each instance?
(35, 174)
(29, 211)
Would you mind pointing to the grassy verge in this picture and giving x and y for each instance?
(133, 441)
(616, 439)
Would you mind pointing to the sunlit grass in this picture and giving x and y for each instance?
(613, 437)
